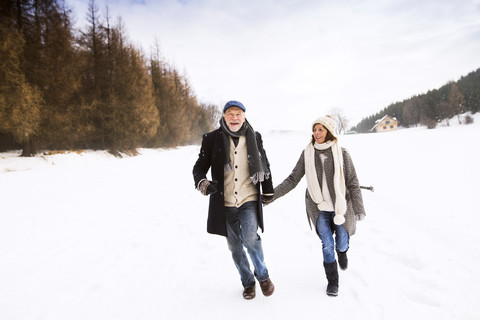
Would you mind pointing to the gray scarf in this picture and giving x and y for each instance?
(257, 165)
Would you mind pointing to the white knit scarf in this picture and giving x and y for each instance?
(338, 179)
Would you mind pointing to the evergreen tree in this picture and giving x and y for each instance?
(95, 91)
(158, 76)
(135, 118)
(96, 88)
(20, 104)
(60, 77)
(469, 86)
(411, 112)
(117, 88)
(456, 101)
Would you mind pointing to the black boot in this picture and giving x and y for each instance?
(332, 277)
(342, 260)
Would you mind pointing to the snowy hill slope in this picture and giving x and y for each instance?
(90, 236)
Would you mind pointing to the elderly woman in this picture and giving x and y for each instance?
(333, 198)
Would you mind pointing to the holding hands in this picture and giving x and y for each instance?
(267, 199)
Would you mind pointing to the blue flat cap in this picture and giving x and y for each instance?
(233, 103)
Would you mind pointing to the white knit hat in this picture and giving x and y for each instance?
(328, 123)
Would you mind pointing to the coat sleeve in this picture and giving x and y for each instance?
(203, 163)
(293, 179)
(352, 185)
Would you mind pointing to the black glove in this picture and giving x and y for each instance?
(267, 199)
(207, 187)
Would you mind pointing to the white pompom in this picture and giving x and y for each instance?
(339, 219)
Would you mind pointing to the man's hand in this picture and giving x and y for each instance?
(267, 199)
(207, 187)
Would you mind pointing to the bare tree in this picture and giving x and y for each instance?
(340, 119)
(213, 113)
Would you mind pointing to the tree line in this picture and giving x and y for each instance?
(62, 88)
(429, 109)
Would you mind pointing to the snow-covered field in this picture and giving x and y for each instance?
(90, 236)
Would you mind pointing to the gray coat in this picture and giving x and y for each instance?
(353, 192)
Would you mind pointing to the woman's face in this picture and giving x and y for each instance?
(319, 133)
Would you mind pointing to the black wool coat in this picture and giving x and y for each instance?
(212, 156)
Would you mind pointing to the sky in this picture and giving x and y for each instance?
(88, 236)
(293, 61)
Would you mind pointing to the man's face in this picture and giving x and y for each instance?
(234, 117)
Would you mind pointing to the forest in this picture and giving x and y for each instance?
(440, 105)
(66, 89)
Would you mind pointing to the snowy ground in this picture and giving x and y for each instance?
(91, 236)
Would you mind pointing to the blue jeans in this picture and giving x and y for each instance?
(324, 231)
(242, 225)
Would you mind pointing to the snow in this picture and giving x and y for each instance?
(90, 236)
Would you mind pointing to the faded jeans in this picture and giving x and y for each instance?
(324, 231)
(242, 228)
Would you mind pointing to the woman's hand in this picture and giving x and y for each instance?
(360, 217)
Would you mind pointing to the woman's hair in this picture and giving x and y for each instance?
(329, 137)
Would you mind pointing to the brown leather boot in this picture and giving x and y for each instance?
(249, 293)
(267, 287)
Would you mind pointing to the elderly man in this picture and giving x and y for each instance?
(239, 166)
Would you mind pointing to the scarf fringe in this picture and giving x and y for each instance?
(228, 167)
(259, 177)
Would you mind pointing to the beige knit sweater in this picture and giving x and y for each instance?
(238, 187)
